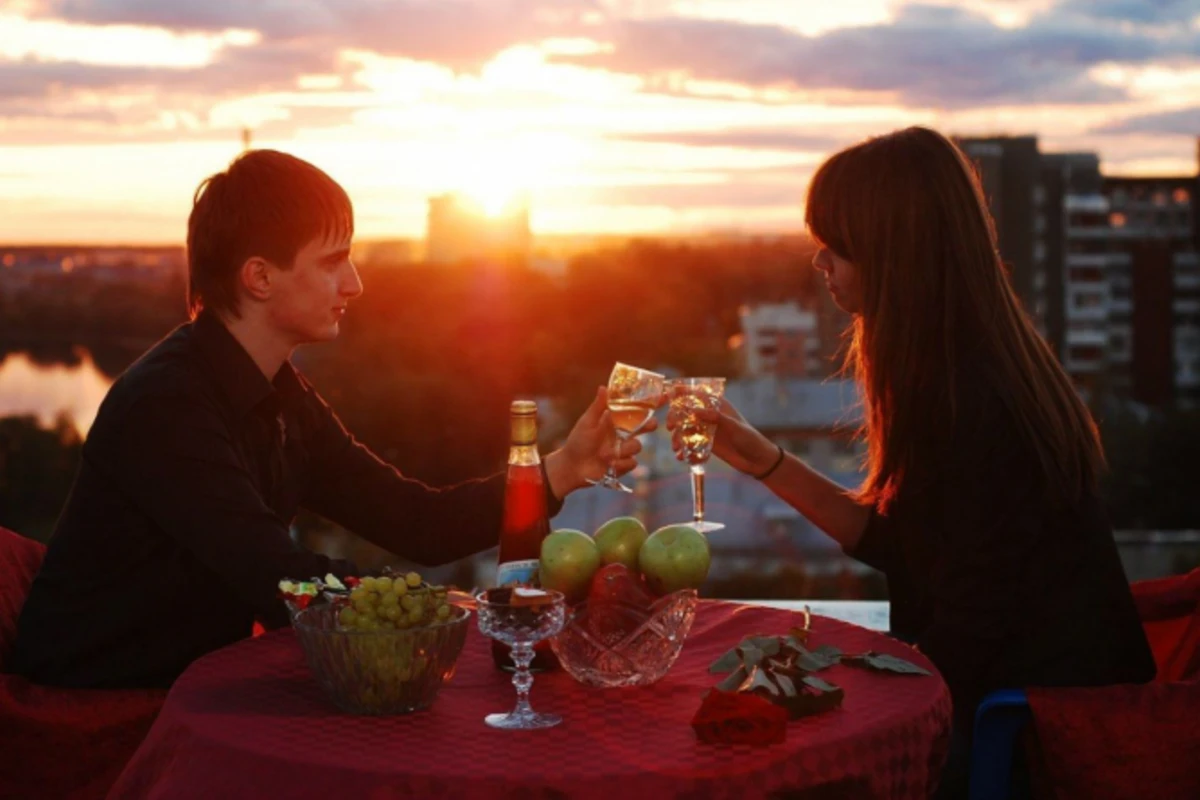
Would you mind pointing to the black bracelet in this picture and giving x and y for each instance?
(774, 466)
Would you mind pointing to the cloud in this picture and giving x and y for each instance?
(463, 34)
(928, 56)
(1180, 122)
(236, 71)
(742, 138)
(1136, 11)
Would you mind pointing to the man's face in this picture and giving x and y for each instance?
(309, 300)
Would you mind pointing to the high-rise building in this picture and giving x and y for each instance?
(779, 339)
(1106, 266)
(1156, 285)
(458, 230)
(1009, 167)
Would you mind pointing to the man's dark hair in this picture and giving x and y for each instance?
(267, 204)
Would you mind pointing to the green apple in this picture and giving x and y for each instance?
(674, 557)
(568, 560)
(620, 540)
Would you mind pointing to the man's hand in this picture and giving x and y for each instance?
(590, 447)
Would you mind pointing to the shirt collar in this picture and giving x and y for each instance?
(236, 373)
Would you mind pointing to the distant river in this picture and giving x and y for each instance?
(50, 390)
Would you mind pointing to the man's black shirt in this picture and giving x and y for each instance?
(176, 531)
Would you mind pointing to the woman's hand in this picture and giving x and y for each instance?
(590, 447)
(737, 442)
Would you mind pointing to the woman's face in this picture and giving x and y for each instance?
(841, 278)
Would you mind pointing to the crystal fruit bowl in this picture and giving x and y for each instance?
(384, 671)
(622, 644)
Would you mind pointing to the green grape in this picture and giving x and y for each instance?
(347, 616)
(383, 584)
(392, 612)
(414, 616)
(443, 611)
(408, 602)
(413, 579)
(388, 599)
(367, 584)
(400, 588)
(358, 593)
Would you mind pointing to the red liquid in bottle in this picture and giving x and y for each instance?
(526, 523)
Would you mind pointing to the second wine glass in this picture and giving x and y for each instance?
(633, 395)
(688, 397)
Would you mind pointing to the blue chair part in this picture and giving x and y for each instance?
(998, 721)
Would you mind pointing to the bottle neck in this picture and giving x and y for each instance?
(523, 455)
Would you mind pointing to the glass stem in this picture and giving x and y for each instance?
(522, 656)
(698, 493)
(612, 464)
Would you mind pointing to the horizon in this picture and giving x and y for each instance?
(650, 118)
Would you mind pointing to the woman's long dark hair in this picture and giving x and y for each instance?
(908, 211)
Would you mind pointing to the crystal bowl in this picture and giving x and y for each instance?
(620, 644)
(380, 672)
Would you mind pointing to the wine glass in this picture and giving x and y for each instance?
(633, 394)
(688, 396)
(520, 618)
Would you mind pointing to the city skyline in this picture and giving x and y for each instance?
(639, 117)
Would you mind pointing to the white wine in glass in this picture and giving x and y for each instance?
(631, 416)
(688, 397)
(633, 394)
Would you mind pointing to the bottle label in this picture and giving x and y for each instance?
(511, 572)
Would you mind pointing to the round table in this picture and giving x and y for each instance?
(250, 721)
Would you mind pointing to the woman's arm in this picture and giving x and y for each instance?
(823, 502)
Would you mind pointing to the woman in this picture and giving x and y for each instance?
(980, 501)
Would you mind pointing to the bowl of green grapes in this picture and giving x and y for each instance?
(385, 646)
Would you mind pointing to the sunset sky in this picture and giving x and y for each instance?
(615, 115)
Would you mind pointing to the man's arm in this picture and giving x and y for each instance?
(175, 460)
(351, 486)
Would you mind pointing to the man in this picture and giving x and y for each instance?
(175, 534)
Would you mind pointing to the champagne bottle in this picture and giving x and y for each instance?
(526, 522)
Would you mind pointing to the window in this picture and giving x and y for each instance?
(1086, 352)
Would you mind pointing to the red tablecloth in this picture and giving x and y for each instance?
(250, 721)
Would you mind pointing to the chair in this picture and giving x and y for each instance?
(62, 743)
(1106, 719)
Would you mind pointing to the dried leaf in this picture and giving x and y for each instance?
(760, 679)
(728, 661)
(813, 682)
(885, 663)
(769, 645)
(733, 681)
(806, 704)
(751, 655)
(792, 642)
(814, 660)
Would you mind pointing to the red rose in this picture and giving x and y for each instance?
(739, 718)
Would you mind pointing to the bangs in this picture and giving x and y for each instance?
(825, 212)
(305, 206)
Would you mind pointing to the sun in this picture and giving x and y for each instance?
(493, 197)
(501, 173)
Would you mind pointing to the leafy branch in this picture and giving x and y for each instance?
(779, 669)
